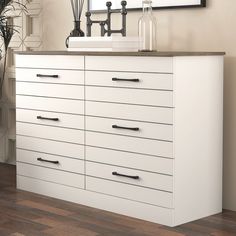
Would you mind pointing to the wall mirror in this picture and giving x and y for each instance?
(100, 5)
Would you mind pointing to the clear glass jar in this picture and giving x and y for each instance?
(147, 28)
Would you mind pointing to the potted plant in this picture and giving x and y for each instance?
(7, 30)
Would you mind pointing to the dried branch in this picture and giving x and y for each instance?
(77, 9)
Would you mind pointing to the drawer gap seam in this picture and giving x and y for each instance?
(130, 199)
(141, 186)
(129, 152)
(50, 168)
(130, 168)
(50, 181)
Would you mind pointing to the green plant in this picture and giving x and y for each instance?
(7, 30)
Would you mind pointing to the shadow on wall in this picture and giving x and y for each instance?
(172, 40)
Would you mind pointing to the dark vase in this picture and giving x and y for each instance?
(76, 32)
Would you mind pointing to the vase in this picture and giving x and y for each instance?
(147, 28)
(76, 32)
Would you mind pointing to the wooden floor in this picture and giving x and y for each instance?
(23, 213)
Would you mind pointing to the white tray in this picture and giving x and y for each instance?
(113, 43)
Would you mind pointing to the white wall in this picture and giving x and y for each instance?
(205, 29)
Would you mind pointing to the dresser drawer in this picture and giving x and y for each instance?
(50, 175)
(49, 132)
(50, 61)
(136, 64)
(50, 76)
(50, 147)
(130, 112)
(130, 96)
(130, 128)
(50, 90)
(129, 80)
(50, 118)
(145, 179)
(50, 161)
(130, 144)
(50, 104)
(130, 160)
(131, 192)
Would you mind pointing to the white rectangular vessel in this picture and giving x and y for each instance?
(113, 43)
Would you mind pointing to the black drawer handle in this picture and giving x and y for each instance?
(46, 118)
(43, 160)
(127, 176)
(47, 76)
(125, 80)
(128, 128)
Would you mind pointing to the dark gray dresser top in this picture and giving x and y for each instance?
(141, 54)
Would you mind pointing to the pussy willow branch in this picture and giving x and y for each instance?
(73, 8)
(81, 4)
(77, 9)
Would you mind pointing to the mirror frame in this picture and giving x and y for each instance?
(201, 4)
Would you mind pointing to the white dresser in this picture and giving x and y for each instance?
(136, 134)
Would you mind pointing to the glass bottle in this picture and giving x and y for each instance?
(147, 28)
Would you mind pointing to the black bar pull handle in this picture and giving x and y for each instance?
(126, 176)
(46, 118)
(47, 76)
(125, 80)
(48, 161)
(128, 128)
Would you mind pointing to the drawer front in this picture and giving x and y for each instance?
(130, 128)
(50, 104)
(129, 80)
(130, 112)
(130, 96)
(135, 193)
(146, 179)
(130, 160)
(50, 175)
(50, 118)
(130, 144)
(50, 147)
(160, 215)
(50, 76)
(136, 64)
(49, 132)
(50, 161)
(50, 61)
(50, 90)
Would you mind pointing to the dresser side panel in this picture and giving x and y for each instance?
(198, 137)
